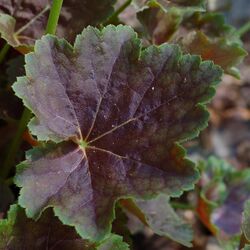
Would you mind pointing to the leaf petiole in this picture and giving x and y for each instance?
(54, 17)
(244, 29)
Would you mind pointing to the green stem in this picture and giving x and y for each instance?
(15, 144)
(4, 51)
(114, 16)
(54, 17)
(244, 29)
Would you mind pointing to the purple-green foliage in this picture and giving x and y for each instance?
(110, 116)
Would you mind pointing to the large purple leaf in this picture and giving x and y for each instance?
(221, 50)
(160, 217)
(121, 111)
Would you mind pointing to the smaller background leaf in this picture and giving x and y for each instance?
(224, 191)
(160, 217)
(7, 29)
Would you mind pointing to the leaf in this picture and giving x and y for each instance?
(213, 24)
(223, 52)
(122, 112)
(7, 29)
(246, 220)
(161, 19)
(19, 232)
(232, 208)
(161, 218)
(204, 34)
(210, 36)
(223, 194)
(160, 26)
(75, 15)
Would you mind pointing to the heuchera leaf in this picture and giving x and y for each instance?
(246, 220)
(215, 40)
(161, 19)
(14, 15)
(20, 232)
(224, 192)
(7, 29)
(161, 218)
(121, 111)
(232, 208)
(211, 23)
(204, 34)
(223, 52)
(160, 26)
(75, 15)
